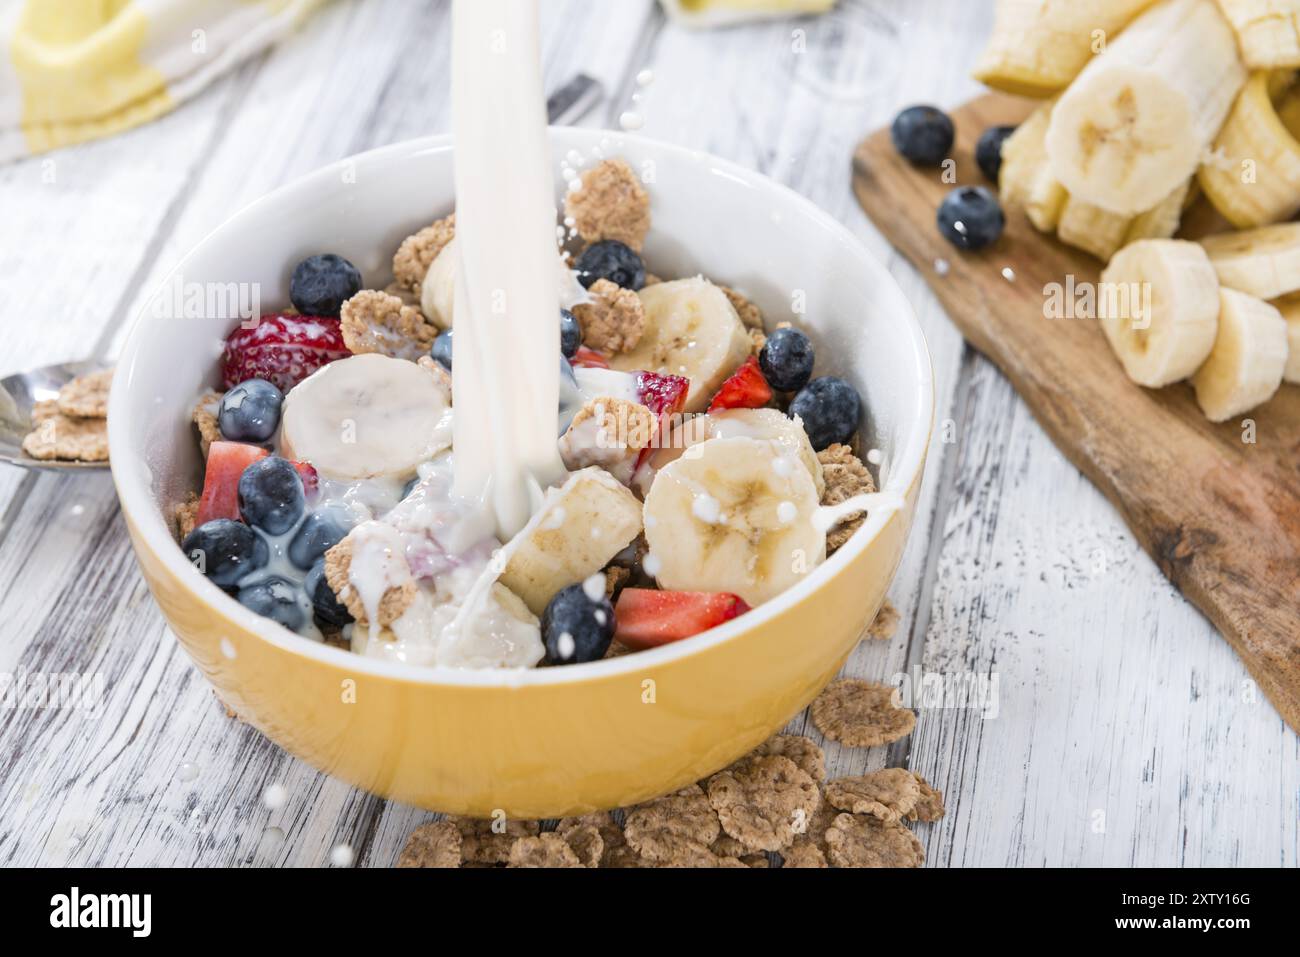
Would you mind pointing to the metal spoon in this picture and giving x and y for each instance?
(19, 393)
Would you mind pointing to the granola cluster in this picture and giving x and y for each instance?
(373, 321)
(614, 319)
(846, 476)
(338, 565)
(610, 204)
(417, 252)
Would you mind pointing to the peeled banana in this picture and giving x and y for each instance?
(1264, 262)
(1039, 46)
(1268, 31)
(1134, 123)
(1026, 179)
(1290, 310)
(733, 515)
(1245, 366)
(1159, 304)
(1253, 175)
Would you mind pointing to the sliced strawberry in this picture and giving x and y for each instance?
(745, 389)
(589, 359)
(665, 395)
(282, 348)
(226, 462)
(647, 618)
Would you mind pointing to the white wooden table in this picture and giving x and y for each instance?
(1126, 732)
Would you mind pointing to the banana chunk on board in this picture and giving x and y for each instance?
(1268, 31)
(1264, 262)
(581, 525)
(734, 515)
(1289, 307)
(1249, 357)
(1159, 305)
(1026, 178)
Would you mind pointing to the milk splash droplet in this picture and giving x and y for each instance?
(631, 121)
(275, 797)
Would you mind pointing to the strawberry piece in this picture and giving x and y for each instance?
(226, 462)
(647, 618)
(589, 359)
(745, 389)
(282, 348)
(664, 395)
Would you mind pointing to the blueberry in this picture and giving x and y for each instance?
(830, 410)
(320, 531)
(612, 260)
(970, 218)
(575, 628)
(323, 600)
(570, 334)
(271, 495)
(275, 598)
(922, 134)
(321, 284)
(787, 359)
(225, 550)
(250, 412)
(988, 150)
(440, 351)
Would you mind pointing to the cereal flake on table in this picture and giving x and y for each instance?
(86, 397)
(803, 751)
(888, 794)
(373, 321)
(610, 204)
(672, 825)
(885, 623)
(481, 843)
(846, 476)
(854, 841)
(759, 800)
(417, 252)
(437, 844)
(545, 850)
(861, 714)
(614, 320)
(929, 806)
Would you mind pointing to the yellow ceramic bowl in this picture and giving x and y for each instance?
(552, 741)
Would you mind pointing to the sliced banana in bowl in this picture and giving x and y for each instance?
(735, 516)
(367, 416)
(691, 330)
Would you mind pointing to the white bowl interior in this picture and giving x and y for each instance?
(709, 216)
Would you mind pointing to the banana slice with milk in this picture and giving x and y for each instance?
(735, 515)
(365, 417)
(438, 290)
(691, 330)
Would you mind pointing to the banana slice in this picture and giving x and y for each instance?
(1159, 302)
(735, 516)
(1039, 46)
(1290, 310)
(1268, 31)
(438, 291)
(1254, 177)
(743, 423)
(1135, 122)
(1026, 179)
(579, 528)
(1161, 221)
(1249, 357)
(1091, 228)
(691, 330)
(367, 416)
(1264, 262)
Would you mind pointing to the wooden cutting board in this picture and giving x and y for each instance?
(1218, 513)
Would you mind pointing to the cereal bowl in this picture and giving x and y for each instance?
(552, 741)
